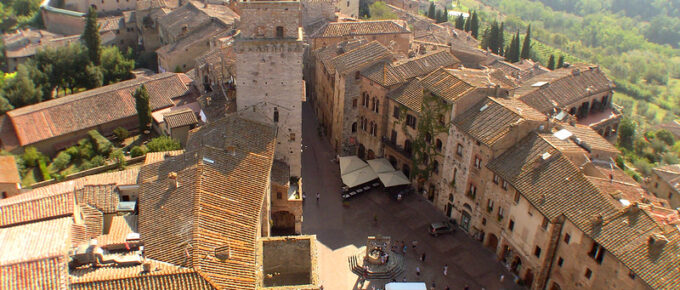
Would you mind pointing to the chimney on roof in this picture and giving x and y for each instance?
(597, 220)
(231, 150)
(173, 180)
(657, 240)
(146, 267)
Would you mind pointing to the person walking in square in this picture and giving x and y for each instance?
(417, 271)
(318, 195)
(446, 269)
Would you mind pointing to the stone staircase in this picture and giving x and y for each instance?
(391, 270)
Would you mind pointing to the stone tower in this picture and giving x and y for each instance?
(269, 83)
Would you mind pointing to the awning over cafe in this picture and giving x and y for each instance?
(394, 178)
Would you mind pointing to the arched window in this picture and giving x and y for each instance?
(354, 127)
(377, 105)
(439, 145)
(435, 166)
(276, 114)
(375, 129)
(428, 137)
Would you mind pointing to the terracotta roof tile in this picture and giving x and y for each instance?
(446, 85)
(103, 197)
(552, 183)
(280, 172)
(35, 206)
(590, 137)
(180, 118)
(91, 108)
(193, 15)
(234, 131)
(162, 276)
(562, 87)
(8, 170)
(340, 29)
(34, 255)
(120, 227)
(94, 221)
(362, 56)
(153, 157)
(409, 94)
(387, 74)
(491, 119)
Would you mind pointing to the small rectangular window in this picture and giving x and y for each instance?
(395, 114)
(505, 185)
(567, 238)
(279, 31)
(517, 197)
(537, 252)
(589, 273)
(357, 75)
(354, 103)
(545, 223)
(496, 178)
(511, 225)
(459, 150)
(279, 195)
(292, 136)
(560, 261)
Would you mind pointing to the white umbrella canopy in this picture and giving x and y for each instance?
(394, 178)
(380, 165)
(359, 177)
(351, 163)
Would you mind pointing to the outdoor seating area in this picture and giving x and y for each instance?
(359, 176)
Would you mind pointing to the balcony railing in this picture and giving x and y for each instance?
(398, 148)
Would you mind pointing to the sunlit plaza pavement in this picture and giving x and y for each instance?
(342, 230)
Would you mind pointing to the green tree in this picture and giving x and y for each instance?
(513, 52)
(526, 46)
(460, 22)
(31, 156)
(364, 9)
(438, 16)
(93, 78)
(551, 62)
(121, 134)
(560, 62)
(21, 90)
(25, 7)
(665, 136)
(474, 25)
(430, 11)
(380, 11)
(163, 143)
(115, 66)
(627, 133)
(5, 106)
(91, 36)
(468, 22)
(62, 160)
(445, 15)
(143, 108)
(138, 151)
(501, 38)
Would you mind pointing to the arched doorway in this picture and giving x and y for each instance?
(283, 223)
(529, 278)
(362, 151)
(492, 242)
(465, 220)
(370, 155)
(516, 265)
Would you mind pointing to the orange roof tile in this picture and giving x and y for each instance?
(8, 170)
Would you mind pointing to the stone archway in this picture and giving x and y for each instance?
(492, 242)
(362, 151)
(283, 223)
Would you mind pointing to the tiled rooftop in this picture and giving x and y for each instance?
(8, 170)
(180, 118)
(88, 109)
(340, 29)
(361, 57)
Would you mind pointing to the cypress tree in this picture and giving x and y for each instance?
(460, 22)
(91, 37)
(509, 52)
(493, 37)
(430, 11)
(526, 46)
(474, 25)
(143, 108)
(468, 21)
(551, 62)
(560, 62)
(486, 38)
(501, 39)
(516, 49)
(445, 15)
(438, 16)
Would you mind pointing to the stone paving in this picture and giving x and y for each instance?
(341, 231)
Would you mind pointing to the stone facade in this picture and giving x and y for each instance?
(348, 7)
(372, 123)
(263, 50)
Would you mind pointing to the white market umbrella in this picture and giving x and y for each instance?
(359, 177)
(349, 164)
(394, 178)
(380, 165)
